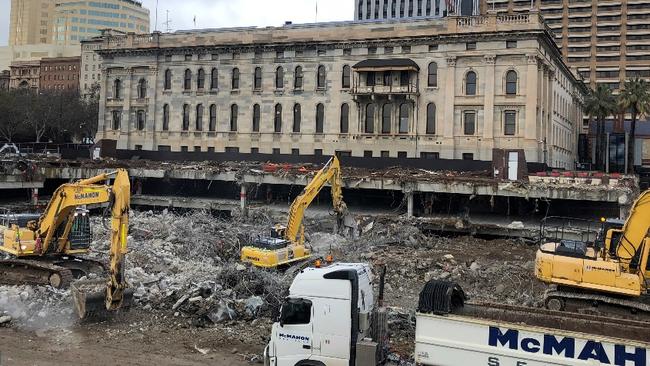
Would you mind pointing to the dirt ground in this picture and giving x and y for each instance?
(129, 340)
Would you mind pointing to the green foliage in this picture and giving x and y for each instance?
(635, 98)
(600, 104)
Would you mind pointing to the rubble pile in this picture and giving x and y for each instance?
(35, 307)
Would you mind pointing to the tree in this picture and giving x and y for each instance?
(11, 116)
(600, 105)
(635, 98)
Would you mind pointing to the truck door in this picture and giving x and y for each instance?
(294, 337)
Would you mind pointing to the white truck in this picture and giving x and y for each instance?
(330, 318)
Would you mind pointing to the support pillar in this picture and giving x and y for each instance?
(35, 196)
(242, 200)
(409, 201)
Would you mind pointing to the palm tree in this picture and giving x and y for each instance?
(635, 99)
(600, 104)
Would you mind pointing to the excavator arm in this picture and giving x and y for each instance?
(330, 173)
(634, 232)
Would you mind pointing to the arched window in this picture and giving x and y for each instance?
(256, 118)
(117, 89)
(345, 118)
(470, 83)
(431, 119)
(235, 79)
(213, 118)
(214, 79)
(277, 119)
(168, 79)
(320, 118)
(345, 81)
(187, 81)
(279, 78)
(257, 79)
(200, 79)
(234, 115)
(370, 119)
(165, 124)
(142, 89)
(186, 117)
(297, 78)
(297, 117)
(141, 118)
(511, 82)
(320, 82)
(432, 80)
(199, 117)
(386, 113)
(404, 111)
(117, 119)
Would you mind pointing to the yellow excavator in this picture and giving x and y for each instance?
(45, 251)
(286, 244)
(610, 273)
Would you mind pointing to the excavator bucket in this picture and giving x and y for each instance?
(89, 299)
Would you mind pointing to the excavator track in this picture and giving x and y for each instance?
(563, 299)
(56, 272)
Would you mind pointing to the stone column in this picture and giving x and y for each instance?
(103, 96)
(242, 200)
(532, 85)
(448, 117)
(127, 119)
(152, 108)
(409, 204)
(488, 109)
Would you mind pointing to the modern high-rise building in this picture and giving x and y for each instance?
(396, 9)
(67, 22)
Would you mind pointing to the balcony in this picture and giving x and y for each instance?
(384, 89)
(385, 77)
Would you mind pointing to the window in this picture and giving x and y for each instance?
(430, 155)
(509, 123)
(186, 117)
(297, 78)
(345, 82)
(256, 118)
(188, 57)
(234, 114)
(117, 118)
(200, 79)
(370, 119)
(470, 123)
(199, 117)
(431, 119)
(432, 80)
(404, 78)
(295, 312)
(279, 78)
(385, 154)
(255, 150)
(117, 89)
(370, 78)
(470, 45)
(257, 79)
(165, 124)
(345, 118)
(187, 83)
(386, 118)
(404, 111)
(279, 54)
(295, 151)
(511, 44)
(511, 82)
(468, 156)
(213, 118)
(277, 119)
(141, 120)
(367, 153)
(318, 152)
(168, 79)
(470, 83)
(297, 118)
(235, 79)
(388, 78)
(276, 151)
(214, 79)
(183, 148)
(320, 118)
(320, 84)
(164, 148)
(142, 89)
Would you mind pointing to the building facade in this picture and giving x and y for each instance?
(67, 22)
(91, 63)
(60, 74)
(400, 9)
(4, 80)
(25, 75)
(448, 88)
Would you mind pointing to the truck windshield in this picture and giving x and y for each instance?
(296, 311)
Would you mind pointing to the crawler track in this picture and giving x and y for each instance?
(56, 272)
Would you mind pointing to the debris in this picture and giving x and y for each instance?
(203, 351)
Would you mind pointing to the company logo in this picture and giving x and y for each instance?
(568, 348)
(594, 268)
(86, 195)
(293, 338)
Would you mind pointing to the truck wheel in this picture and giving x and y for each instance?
(310, 363)
(555, 303)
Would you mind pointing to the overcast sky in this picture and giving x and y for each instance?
(227, 13)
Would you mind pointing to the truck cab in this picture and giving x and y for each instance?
(326, 319)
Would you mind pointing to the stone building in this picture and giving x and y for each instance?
(60, 74)
(452, 88)
(90, 66)
(4, 79)
(25, 74)
(400, 9)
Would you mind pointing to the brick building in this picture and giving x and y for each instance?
(61, 73)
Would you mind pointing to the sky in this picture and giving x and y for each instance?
(227, 13)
